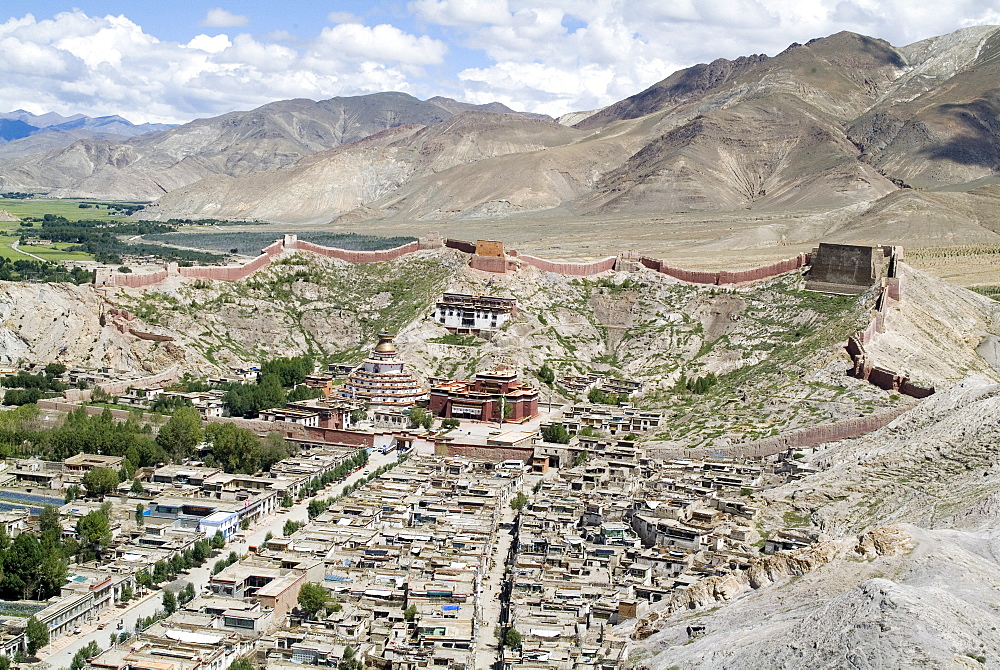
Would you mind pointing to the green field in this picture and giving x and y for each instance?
(54, 253)
(65, 207)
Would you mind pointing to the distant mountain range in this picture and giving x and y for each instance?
(20, 124)
(845, 121)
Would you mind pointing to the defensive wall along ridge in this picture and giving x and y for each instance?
(486, 255)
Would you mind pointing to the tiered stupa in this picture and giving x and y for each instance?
(382, 380)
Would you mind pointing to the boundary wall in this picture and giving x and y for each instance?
(572, 269)
(801, 437)
(499, 264)
(726, 277)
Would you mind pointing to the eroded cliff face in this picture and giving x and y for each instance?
(63, 322)
(765, 571)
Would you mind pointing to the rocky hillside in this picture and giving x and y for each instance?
(776, 350)
(904, 575)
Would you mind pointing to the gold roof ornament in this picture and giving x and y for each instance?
(385, 344)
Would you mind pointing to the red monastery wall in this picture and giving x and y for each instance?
(356, 256)
(572, 269)
(461, 245)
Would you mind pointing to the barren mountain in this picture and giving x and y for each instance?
(235, 144)
(758, 132)
(23, 133)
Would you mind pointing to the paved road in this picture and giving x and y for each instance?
(61, 651)
(13, 245)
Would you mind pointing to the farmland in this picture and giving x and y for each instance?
(250, 243)
(68, 208)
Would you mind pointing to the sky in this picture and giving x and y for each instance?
(171, 62)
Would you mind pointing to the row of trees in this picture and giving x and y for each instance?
(105, 239)
(42, 271)
(23, 433)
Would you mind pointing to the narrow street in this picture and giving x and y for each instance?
(61, 651)
(491, 596)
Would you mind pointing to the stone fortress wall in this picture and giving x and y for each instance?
(487, 256)
(890, 292)
(802, 437)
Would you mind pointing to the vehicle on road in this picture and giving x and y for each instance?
(77, 630)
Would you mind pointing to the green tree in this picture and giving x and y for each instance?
(100, 481)
(288, 371)
(50, 526)
(417, 416)
(273, 448)
(519, 501)
(144, 579)
(136, 489)
(159, 572)
(286, 500)
(512, 639)
(410, 613)
(313, 597)
(555, 433)
(242, 663)
(72, 493)
(181, 433)
(450, 424)
(303, 392)
(94, 532)
(55, 369)
(218, 540)
(21, 568)
(188, 594)
(139, 516)
(37, 635)
(235, 449)
(546, 374)
(169, 602)
(79, 661)
(127, 593)
(200, 552)
(349, 660)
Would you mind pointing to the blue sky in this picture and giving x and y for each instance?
(179, 60)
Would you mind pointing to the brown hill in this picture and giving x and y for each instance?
(820, 133)
(240, 143)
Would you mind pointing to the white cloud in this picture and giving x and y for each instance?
(381, 43)
(220, 18)
(342, 17)
(210, 44)
(462, 12)
(551, 56)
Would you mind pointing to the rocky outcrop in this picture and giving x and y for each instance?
(770, 570)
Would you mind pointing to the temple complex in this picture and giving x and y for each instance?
(382, 381)
(485, 397)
